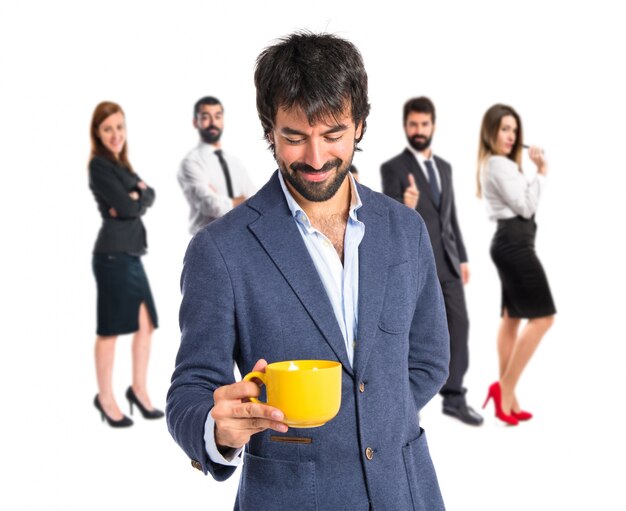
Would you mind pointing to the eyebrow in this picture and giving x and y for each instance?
(290, 131)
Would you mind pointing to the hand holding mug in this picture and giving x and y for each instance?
(237, 418)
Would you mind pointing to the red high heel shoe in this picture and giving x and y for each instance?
(522, 415)
(495, 393)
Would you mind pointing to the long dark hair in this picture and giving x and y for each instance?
(102, 111)
(489, 136)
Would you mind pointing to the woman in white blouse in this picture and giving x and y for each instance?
(511, 200)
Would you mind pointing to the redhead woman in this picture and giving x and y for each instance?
(125, 303)
(511, 201)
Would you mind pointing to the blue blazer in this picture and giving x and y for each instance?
(250, 291)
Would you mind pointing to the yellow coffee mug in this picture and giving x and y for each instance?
(308, 392)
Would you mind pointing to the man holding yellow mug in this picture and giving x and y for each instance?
(319, 269)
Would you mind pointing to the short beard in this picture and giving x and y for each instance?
(419, 145)
(315, 192)
(207, 136)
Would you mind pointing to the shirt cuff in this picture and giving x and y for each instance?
(234, 457)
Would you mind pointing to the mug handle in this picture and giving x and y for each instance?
(260, 376)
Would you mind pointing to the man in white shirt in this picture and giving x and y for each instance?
(423, 181)
(214, 182)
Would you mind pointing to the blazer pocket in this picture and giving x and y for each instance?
(276, 485)
(422, 479)
(397, 313)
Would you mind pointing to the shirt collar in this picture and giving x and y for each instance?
(207, 147)
(419, 157)
(299, 214)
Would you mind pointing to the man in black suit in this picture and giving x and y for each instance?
(423, 181)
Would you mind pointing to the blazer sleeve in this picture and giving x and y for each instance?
(392, 184)
(429, 342)
(112, 191)
(205, 357)
(460, 245)
(146, 196)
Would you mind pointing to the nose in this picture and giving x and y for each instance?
(313, 155)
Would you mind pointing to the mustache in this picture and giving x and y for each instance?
(209, 128)
(419, 137)
(304, 167)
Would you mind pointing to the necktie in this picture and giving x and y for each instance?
(434, 187)
(229, 185)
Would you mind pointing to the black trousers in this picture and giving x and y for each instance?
(458, 326)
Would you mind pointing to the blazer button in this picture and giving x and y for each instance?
(196, 464)
(362, 387)
(369, 453)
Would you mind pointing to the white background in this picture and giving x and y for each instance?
(560, 66)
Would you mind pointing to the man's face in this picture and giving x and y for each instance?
(419, 129)
(209, 122)
(314, 160)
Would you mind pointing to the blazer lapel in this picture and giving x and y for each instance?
(373, 263)
(277, 232)
(445, 182)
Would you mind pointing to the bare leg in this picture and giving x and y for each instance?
(105, 356)
(141, 354)
(507, 334)
(523, 350)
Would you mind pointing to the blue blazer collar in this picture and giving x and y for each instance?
(277, 232)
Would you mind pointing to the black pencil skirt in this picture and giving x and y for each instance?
(122, 287)
(525, 289)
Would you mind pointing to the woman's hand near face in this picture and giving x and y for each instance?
(142, 186)
(538, 158)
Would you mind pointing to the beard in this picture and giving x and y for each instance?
(419, 142)
(315, 191)
(211, 134)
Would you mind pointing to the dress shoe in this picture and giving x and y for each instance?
(495, 393)
(124, 422)
(461, 411)
(147, 414)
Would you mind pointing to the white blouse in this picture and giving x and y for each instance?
(507, 192)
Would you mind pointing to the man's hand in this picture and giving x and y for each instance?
(411, 194)
(238, 200)
(237, 419)
(465, 273)
(112, 213)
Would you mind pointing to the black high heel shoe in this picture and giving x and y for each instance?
(147, 414)
(124, 422)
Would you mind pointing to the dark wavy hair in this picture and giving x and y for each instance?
(206, 100)
(320, 73)
(101, 112)
(422, 105)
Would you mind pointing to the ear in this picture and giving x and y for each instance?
(358, 130)
(270, 137)
(195, 123)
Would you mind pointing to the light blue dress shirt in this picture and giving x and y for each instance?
(341, 282)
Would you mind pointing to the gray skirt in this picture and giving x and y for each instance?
(122, 287)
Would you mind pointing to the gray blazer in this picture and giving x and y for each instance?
(250, 291)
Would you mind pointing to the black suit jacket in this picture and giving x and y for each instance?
(111, 185)
(442, 224)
